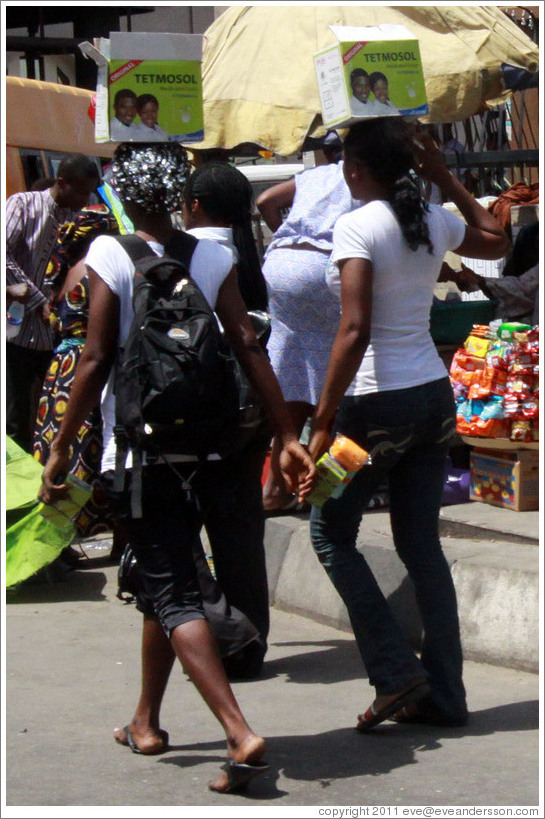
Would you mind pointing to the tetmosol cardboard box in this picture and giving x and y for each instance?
(389, 50)
(507, 479)
(162, 69)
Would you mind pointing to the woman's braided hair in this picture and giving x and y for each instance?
(383, 145)
(226, 194)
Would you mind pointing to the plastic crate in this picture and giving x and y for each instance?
(452, 321)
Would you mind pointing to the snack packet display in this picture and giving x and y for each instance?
(495, 381)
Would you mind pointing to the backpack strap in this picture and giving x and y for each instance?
(181, 247)
(136, 486)
(121, 452)
(134, 246)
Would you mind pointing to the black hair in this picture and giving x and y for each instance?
(383, 145)
(358, 72)
(43, 183)
(225, 194)
(124, 92)
(78, 166)
(376, 76)
(525, 251)
(143, 99)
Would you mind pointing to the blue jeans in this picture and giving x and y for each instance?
(408, 433)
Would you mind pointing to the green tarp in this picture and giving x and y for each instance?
(32, 540)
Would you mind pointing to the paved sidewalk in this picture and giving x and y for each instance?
(72, 675)
(494, 555)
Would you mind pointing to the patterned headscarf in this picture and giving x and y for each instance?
(74, 239)
(151, 175)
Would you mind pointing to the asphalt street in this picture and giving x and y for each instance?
(72, 675)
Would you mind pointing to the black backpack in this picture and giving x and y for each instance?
(175, 385)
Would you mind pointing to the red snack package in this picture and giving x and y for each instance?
(511, 405)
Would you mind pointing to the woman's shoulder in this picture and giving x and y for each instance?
(104, 244)
(108, 258)
(212, 257)
(315, 177)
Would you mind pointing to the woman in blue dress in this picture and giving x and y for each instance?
(304, 313)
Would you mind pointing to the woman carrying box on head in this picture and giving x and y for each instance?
(388, 390)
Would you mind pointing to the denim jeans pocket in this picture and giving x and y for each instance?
(386, 444)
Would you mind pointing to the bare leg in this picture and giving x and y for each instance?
(275, 495)
(157, 660)
(197, 650)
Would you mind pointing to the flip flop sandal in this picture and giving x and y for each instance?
(239, 774)
(136, 750)
(373, 717)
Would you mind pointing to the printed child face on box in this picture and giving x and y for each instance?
(361, 87)
(148, 109)
(125, 107)
(380, 87)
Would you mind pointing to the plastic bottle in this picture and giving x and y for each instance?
(14, 318)
(336, 468)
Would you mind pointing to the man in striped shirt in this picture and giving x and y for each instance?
(33, 220)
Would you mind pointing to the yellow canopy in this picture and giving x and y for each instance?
(260, 84)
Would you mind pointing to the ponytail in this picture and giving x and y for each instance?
(251, 281)
(226, 195)
(410, 208)
(383, 146)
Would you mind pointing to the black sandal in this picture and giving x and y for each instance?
(134, 747)
(239, 774)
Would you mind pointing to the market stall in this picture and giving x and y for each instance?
(495, 378)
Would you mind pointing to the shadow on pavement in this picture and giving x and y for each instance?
(343, 753)
(333, 660)
(60, 587)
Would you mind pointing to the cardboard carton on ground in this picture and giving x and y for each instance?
(388, 48)
(507, 479)
(166, 66)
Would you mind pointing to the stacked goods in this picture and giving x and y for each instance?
(495, 378)
(336, 468)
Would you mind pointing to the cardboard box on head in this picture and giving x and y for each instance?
(373, 71)
(149, 87)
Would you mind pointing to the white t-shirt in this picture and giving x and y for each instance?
(221, 235)
(210, 266)
(401, 352)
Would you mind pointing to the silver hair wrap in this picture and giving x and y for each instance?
(152, 174)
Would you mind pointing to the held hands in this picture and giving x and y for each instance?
(297, 468)
(320, 441)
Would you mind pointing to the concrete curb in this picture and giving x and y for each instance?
(497, 582)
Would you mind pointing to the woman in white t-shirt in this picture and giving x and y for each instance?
(387, 389)
(217, 206)
(149, 180)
